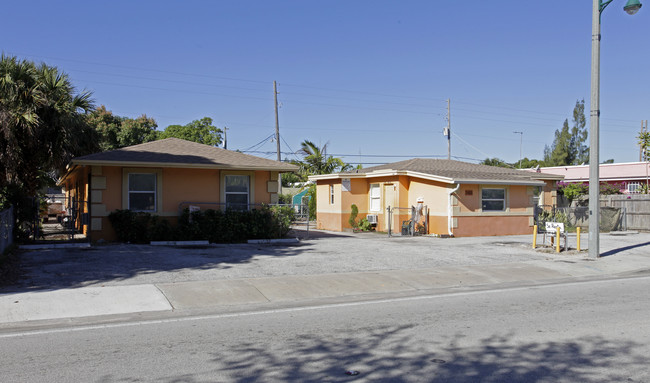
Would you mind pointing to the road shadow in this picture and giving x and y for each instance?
(621, 249)
(78, 267)
(397, 354)
(303, 233)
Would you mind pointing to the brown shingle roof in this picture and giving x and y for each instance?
(174, 152)
(454, 171)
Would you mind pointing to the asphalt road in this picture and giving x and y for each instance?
(592, 331)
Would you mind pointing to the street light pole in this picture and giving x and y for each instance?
(631, 8)
(594, 183)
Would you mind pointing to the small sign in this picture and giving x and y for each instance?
(552, 226)
(345, 184)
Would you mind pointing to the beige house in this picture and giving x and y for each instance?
(462, 199)
(161, 177)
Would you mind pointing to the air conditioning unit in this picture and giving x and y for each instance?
(372, 218)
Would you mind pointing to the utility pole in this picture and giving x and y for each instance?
(448, 130)
(643, 130)
(277, 121)
(521, 145)
(225, 137)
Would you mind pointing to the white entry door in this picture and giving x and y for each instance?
(389, 200)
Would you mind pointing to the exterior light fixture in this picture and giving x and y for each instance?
(632, 7)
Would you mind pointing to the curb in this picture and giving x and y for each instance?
(179, 243)
(273, 241)
(56, 246)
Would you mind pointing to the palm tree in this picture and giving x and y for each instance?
(42, 122)
(316, 160)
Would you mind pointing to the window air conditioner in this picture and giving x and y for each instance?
(372, 218)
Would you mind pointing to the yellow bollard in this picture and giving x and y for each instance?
(557, 239)
(534, 236)
(578, 235)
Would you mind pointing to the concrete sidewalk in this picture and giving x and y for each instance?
(181, 296)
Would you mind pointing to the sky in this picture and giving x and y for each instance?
(368, 78)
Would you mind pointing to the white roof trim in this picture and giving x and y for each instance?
(431, 177)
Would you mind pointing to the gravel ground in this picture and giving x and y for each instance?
(323, 253)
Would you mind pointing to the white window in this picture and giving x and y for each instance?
(634, 187)
(493, 199)
(331, 194)
(375, 197)
(237, 191)
(142, 192)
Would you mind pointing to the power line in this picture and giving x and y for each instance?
(249, 149)
(170, 81)
(425, 99)
(171, 90)
(142, 69)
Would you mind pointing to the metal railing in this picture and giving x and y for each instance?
(416, 224)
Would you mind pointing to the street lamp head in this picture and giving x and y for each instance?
(632, 6)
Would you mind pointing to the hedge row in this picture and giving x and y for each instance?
(216, 226)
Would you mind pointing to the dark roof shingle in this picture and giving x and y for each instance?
(457, 171)
(177, 152)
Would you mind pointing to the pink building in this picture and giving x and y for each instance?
(630, 175)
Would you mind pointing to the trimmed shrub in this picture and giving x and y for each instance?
(354, 211)
(236, 225)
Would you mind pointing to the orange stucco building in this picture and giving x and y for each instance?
(163, 177)
(454, 198)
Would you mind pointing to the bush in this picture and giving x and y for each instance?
(284, 216)
(573, 190)
(129, 226)
(213, 225)
(354, 211)
(236, 225)
(364, 225)
(160, 230)
(311, 193)
(285, 199)
(608, 189)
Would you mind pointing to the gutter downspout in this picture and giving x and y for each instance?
(450, 211)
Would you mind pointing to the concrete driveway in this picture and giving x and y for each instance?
(323, 253)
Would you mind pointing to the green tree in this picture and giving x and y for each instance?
(288, 179)
(495, 162)
(569, 144)
(316, 161)
(527, 164)
(117, 132)
(644, 142)
(524, 163)
(560, 152)
(201, 131)
(138, 131)
(579, 135)
(43, 123)
(107, 125)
